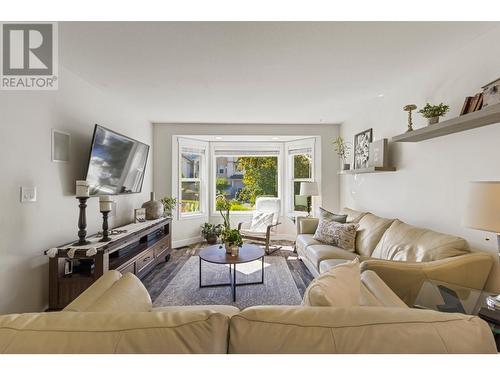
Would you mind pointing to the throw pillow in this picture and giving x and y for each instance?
(261, 220)
(325, 214)
(336, 234)
(340, 286)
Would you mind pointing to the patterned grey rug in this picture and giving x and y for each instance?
(278, 288)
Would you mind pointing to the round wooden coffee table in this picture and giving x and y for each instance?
(217, 254)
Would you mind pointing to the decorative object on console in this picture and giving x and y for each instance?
(309, 189)
(140, 215)
(342, 149)
(361, 148)
(491, 93)
(105, 206)
(154, 208)
(433, 112)
(408, 108)
(169, 204)
(378, 153)
(82, 194)
(211, 232)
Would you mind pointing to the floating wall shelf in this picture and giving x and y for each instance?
(487, 116)
(368, 170)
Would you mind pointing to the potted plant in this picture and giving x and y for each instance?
(211, 232)
(169, 204)
(342, 149)
(231, 238)
(433, 112)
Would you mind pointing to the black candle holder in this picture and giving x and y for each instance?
(82, 222)
(105, 227)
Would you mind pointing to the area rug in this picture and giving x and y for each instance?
(279, 287)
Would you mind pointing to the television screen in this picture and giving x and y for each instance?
(117, 163)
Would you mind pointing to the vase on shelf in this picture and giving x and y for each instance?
(433, 120)
(154, 208)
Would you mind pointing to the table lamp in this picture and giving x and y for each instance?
(483, 207)
(309, 189)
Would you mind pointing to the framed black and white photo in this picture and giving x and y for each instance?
(362, 148)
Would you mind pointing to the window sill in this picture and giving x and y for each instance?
(183, 217)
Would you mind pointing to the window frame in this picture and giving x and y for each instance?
(200, 147)
(274, 148)
(291, 150)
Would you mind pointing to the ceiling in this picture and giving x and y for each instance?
(253, 72)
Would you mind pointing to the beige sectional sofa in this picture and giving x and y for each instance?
(115, 315)
(404, 256)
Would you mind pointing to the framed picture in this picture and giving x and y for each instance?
(362, 148)
(140, 215)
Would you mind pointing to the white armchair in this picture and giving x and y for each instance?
(264, 205)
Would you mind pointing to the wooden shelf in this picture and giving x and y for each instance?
(368, 170)
(487, 116)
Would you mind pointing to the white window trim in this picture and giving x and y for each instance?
(202, 146)
(208, 169)
(274, 149)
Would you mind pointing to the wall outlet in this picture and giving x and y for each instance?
(28, 194)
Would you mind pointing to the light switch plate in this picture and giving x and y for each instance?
(28, 194)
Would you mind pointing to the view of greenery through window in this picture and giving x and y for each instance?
(244, 178)
(190, 183)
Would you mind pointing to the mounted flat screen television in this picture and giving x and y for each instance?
(117, 163)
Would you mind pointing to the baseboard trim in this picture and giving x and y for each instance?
(186, 242)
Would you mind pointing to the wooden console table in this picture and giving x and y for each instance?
(137, 250)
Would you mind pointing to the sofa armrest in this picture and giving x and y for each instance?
(406, 278)
(307, 225)
(94, 292)
(127, 294)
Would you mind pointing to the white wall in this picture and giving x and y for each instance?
(27, 229)
(429, 187)
(188, 231)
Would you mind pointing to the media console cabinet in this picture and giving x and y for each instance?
(139, 248)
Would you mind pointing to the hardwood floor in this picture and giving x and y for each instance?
(157, 280)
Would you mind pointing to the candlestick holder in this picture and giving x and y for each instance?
(105, 227)
(82, 222)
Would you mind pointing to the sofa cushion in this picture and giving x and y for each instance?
(336, 234)
(317, 253)
(189, 331)
(370, 231)
(353, 216)
(337, 287)
(328, 264)
(304, 240)
(295, 329)
(403, 242)
(327, 215)
(374, 286)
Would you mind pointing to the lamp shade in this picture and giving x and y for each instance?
(483, 206)
(309, 189)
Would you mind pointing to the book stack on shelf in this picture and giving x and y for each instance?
(472, 104)
(493, 302)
